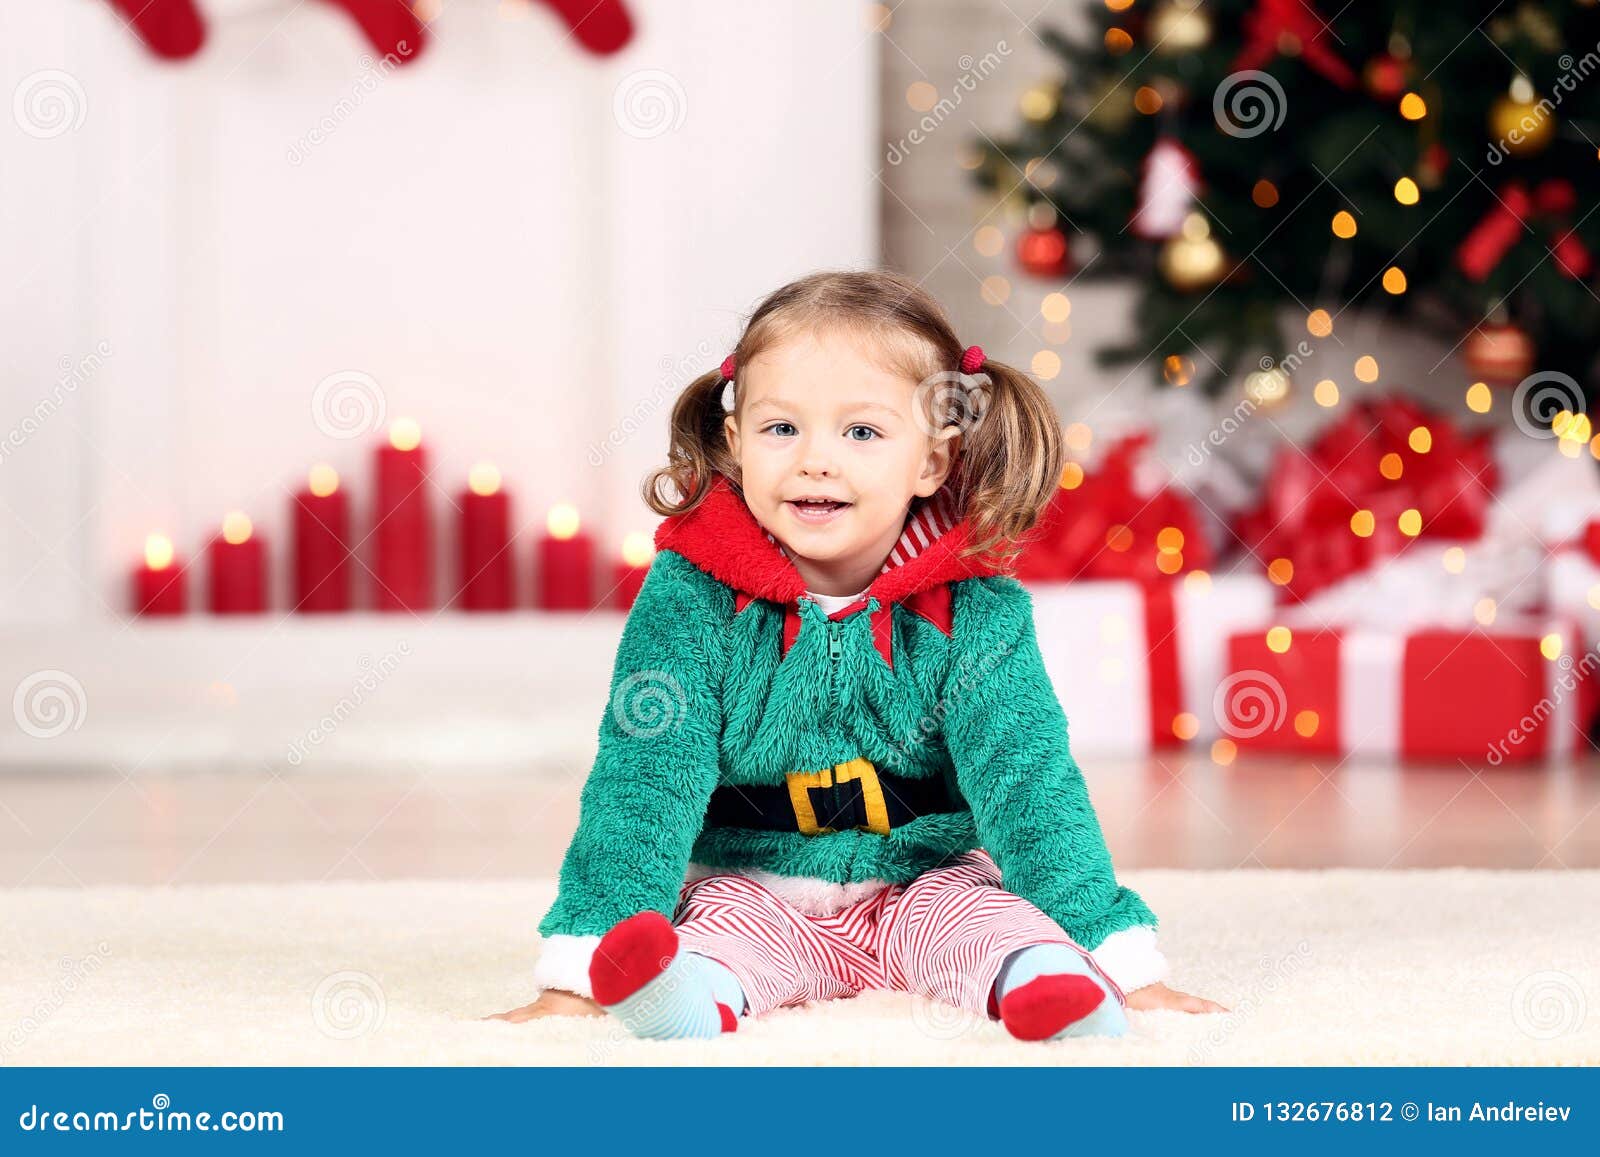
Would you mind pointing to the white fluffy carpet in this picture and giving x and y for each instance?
(1332, 967)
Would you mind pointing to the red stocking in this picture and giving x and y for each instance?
(388, 25)
(172, 29)
(601, 26)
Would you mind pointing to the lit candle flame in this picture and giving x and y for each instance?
(323, 480)
(236, 528)
(563, 520)
(637, 549)
(158, 552)
(405, 434)
(483, 479)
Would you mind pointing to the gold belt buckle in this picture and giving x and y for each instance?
(857, 769)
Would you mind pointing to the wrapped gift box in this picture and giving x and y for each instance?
(1519, 691)
(1127, 656)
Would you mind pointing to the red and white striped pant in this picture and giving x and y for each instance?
(943, 936)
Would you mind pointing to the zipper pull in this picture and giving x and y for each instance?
(835, 649)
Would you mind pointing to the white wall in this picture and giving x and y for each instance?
(476, 231)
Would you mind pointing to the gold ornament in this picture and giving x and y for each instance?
(1519, 122)
(1179, 26)
(1041, 102)
(1192, 260)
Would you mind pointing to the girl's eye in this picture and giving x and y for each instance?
(861, 433)
(782, 429)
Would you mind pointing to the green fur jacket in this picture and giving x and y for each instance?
(827, 755)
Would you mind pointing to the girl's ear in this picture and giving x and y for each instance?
(730, 434)
(941, 457)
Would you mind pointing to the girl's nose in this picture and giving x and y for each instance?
(814, 462)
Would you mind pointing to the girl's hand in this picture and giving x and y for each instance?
(1160, 996)
(551, 1002)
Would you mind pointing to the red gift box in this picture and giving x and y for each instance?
(1100, 526)
(1485, 695)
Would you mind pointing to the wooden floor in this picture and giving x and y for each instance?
(1184, 812)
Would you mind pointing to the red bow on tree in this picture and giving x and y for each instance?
(1502, 225)
(1273, 23)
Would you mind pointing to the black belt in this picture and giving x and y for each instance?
(849, 795)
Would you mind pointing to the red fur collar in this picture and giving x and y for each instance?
(722, 538)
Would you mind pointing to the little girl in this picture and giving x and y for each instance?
(832, 754)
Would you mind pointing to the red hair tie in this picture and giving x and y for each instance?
(972, 359)
(729, 365)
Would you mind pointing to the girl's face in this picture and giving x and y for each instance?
(832, 448)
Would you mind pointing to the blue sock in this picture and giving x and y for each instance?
(659, 992)
(1056, 960)
(683, 1002)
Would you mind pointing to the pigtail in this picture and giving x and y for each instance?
(697, 450)
(1010, 459)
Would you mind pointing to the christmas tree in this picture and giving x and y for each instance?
(1258, 164)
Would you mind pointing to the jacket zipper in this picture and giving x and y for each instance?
(835, 650)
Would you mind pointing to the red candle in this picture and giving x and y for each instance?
(402, 525)
(637, 551)
(321, 544)
(238, 569)
(158, 584)
(565, 566)
(487, 582)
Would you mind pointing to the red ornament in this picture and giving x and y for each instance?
(1501, 354)
(1044, 253)
(1385, 76)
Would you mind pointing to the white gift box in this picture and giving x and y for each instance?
(1096, 648)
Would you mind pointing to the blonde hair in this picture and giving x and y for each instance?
(1010, 456)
